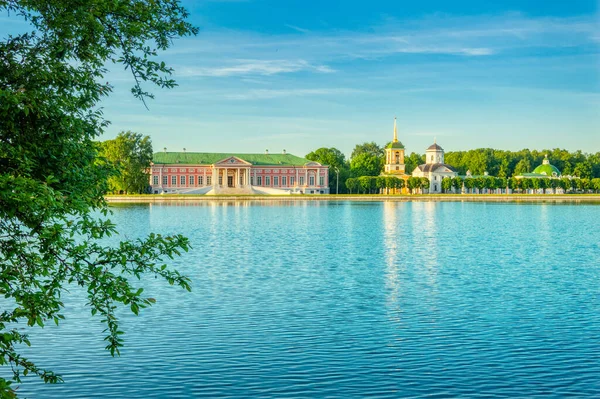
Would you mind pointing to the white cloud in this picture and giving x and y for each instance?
(269, 94)
(253, 67)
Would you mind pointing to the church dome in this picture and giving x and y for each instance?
(435, 147)
(547, 169)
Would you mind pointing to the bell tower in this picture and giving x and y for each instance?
(394, 155)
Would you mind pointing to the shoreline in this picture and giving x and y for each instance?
(191, 198)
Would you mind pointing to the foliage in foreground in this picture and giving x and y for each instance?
(51, 83)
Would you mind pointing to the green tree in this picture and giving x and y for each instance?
(469, 184)
(457, 183)
(412, 161)
(51, 184)
(371, 148)
(131, 155)
(447, 184)
(424, 184)
(366, 164)
(523, 166)
(335, 159)
(413, 183)
(352, 184)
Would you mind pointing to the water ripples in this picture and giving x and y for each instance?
(351, 300)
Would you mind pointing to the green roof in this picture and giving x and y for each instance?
(209, 158)
(397, 144)
(547, 170)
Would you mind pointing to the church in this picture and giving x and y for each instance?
(434, 168)
(236, 174)
(394, 160)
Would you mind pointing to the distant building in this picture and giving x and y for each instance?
(434, 168)
(545, 170)
(394, 158)
(219, 173)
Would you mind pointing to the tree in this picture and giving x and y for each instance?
(469, 184)
(424, 184)
(457, 183)
(352, 184)
(522, 166)
(447, 184)
(366, 183)
(412, 161)
(490, 184)
(335, 159)
(365, 165)
(131, 154)
(413, 183)
(51, 185)
(368, 148)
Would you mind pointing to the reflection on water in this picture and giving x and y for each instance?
(334, 299)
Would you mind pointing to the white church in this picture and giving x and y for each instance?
(434, 168)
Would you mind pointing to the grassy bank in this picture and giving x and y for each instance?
(154, 198)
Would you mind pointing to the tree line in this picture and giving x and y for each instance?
(368, 159)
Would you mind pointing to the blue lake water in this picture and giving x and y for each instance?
(345, 300)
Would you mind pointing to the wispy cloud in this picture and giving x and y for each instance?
(477, 36)
(254, 67)
(297, 28)
(269, 94)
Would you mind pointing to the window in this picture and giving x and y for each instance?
(191, 180)
(267, 180)
(397, 167)
(292, 180)
(182, 180)
(432, 158)
(220, 180)
(165, 180)
(251, 180)
(200, 178)
(434, 177)
(321, 180)
(241, 180)
(397, 158)
(209, 180)
(173, 180)
(283, 180)
(276, 180)
(311, 180)
(301, 180)
(259, 180)
(155, 180)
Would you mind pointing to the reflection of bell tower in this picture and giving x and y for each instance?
(394, 155)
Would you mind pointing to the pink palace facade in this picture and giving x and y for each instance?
(218, 173)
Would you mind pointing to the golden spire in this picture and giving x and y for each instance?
(395, 131)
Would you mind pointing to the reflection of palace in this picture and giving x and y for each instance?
(214, 173)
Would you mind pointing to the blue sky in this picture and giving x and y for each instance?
(299, 75)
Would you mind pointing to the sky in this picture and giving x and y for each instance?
(300, 75)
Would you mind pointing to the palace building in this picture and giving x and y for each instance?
(219, 173)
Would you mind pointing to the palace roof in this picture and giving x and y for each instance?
(209, 158)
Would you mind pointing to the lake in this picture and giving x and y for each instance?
(347, 300)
